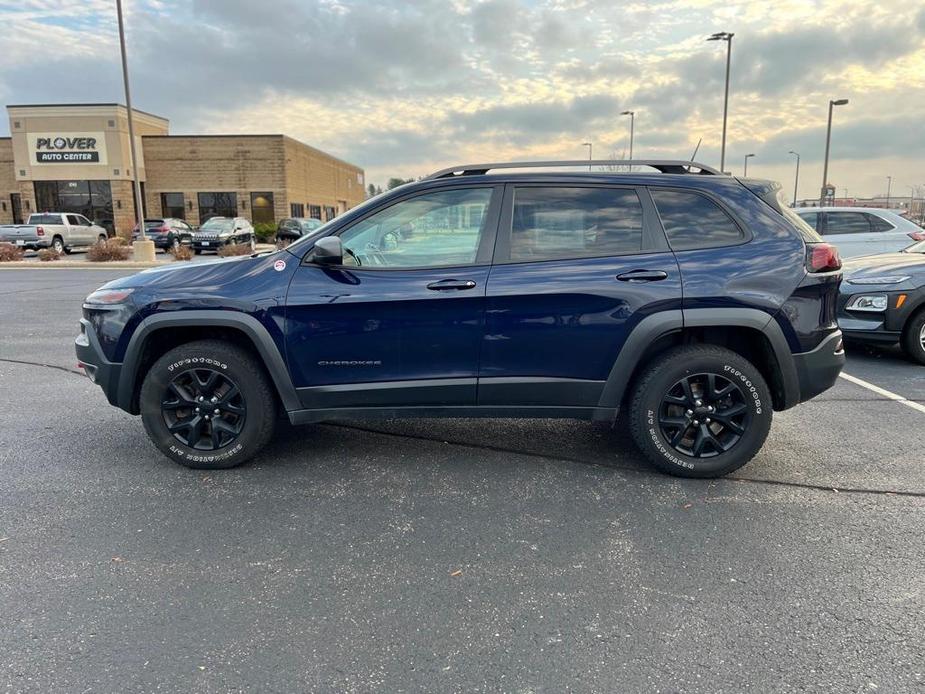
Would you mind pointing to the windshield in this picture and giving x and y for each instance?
(310, 224)
(218, 225)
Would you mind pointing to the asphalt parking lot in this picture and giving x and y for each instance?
(449, 555)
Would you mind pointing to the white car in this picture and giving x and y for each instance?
(858, 231)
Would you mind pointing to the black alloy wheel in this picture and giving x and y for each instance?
(704, 415)
(204, 409)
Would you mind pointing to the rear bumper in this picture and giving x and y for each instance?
(818, 369)
(32, 244)
(90, 356)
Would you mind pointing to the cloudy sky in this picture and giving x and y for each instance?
(403, 87)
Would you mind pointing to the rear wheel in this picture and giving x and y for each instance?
(58, 244)
(914, 337)
(700, 411)
(208, 405)
(101, 238)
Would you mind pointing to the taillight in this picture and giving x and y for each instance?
(164, 229)
(39, 231)
(822, 257)
(917, 235)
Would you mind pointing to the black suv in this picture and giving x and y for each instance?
(696, 302)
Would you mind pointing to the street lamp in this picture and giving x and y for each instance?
(911, 201)
(796, 178)
(828, 140)
(632, 115)
(141, 245)
(747, 156)
(727, 37)
(889, 188)
(589, 146)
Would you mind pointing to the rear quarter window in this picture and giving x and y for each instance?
(694, 221)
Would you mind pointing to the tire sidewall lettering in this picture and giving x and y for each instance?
(753, 393)
(197, 361)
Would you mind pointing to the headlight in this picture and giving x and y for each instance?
(883, 279)
(109, 296)
(868, 302)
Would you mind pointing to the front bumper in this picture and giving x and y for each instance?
(91, 359)
(818, 369)
(208, 244)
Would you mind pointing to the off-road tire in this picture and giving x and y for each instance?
(232, 364)
(657, 381)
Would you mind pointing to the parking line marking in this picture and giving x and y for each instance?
(885, 393)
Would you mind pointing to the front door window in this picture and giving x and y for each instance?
(439, 229)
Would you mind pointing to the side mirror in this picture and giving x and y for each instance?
(328, 251)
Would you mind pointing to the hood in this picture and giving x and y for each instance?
(206, 276)
(884, 264)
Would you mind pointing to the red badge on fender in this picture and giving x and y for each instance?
(279, 265)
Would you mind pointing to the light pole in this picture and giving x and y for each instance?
(632, 115)
(889, 188)
(727, 37)
(828, 140)
(911, 201)
(796, 178)
(747, 157)
(590, 147)
(139, 205)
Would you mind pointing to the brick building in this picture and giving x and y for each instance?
(77, 158)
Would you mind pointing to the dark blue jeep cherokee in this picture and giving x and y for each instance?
(696, 302)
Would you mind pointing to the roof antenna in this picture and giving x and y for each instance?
(694, 155)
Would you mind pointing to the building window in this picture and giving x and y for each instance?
(329, 213)
(217, 205)
(314, 211)
(92, 199)
(262, 208)
(172, 205)
(296, 209)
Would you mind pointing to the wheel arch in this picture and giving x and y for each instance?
(159, 333)
(749, 332)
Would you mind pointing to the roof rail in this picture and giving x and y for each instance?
(661, 165)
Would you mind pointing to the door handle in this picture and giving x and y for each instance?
(643, 276)
(458, 285)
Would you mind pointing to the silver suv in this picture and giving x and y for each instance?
(858, 231)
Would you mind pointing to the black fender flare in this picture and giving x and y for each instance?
(657, 325)
(250, 326)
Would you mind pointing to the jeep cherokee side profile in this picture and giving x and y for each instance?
(695, 302)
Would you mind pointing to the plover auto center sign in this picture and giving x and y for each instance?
(67, 148)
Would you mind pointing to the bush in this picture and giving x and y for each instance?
(9, 253)
(235, 249)
(110, 249)
(265, 232)
(181, 253)
(48, 254)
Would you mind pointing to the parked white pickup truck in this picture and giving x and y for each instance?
(63, 231)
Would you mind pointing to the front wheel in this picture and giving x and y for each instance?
(700, 411)
(208, 405)
(914, 338)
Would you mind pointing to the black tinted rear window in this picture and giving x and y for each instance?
(694, 221)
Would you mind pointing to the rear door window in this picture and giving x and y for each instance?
(693, 221)
(557, 223)
(846, 223)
